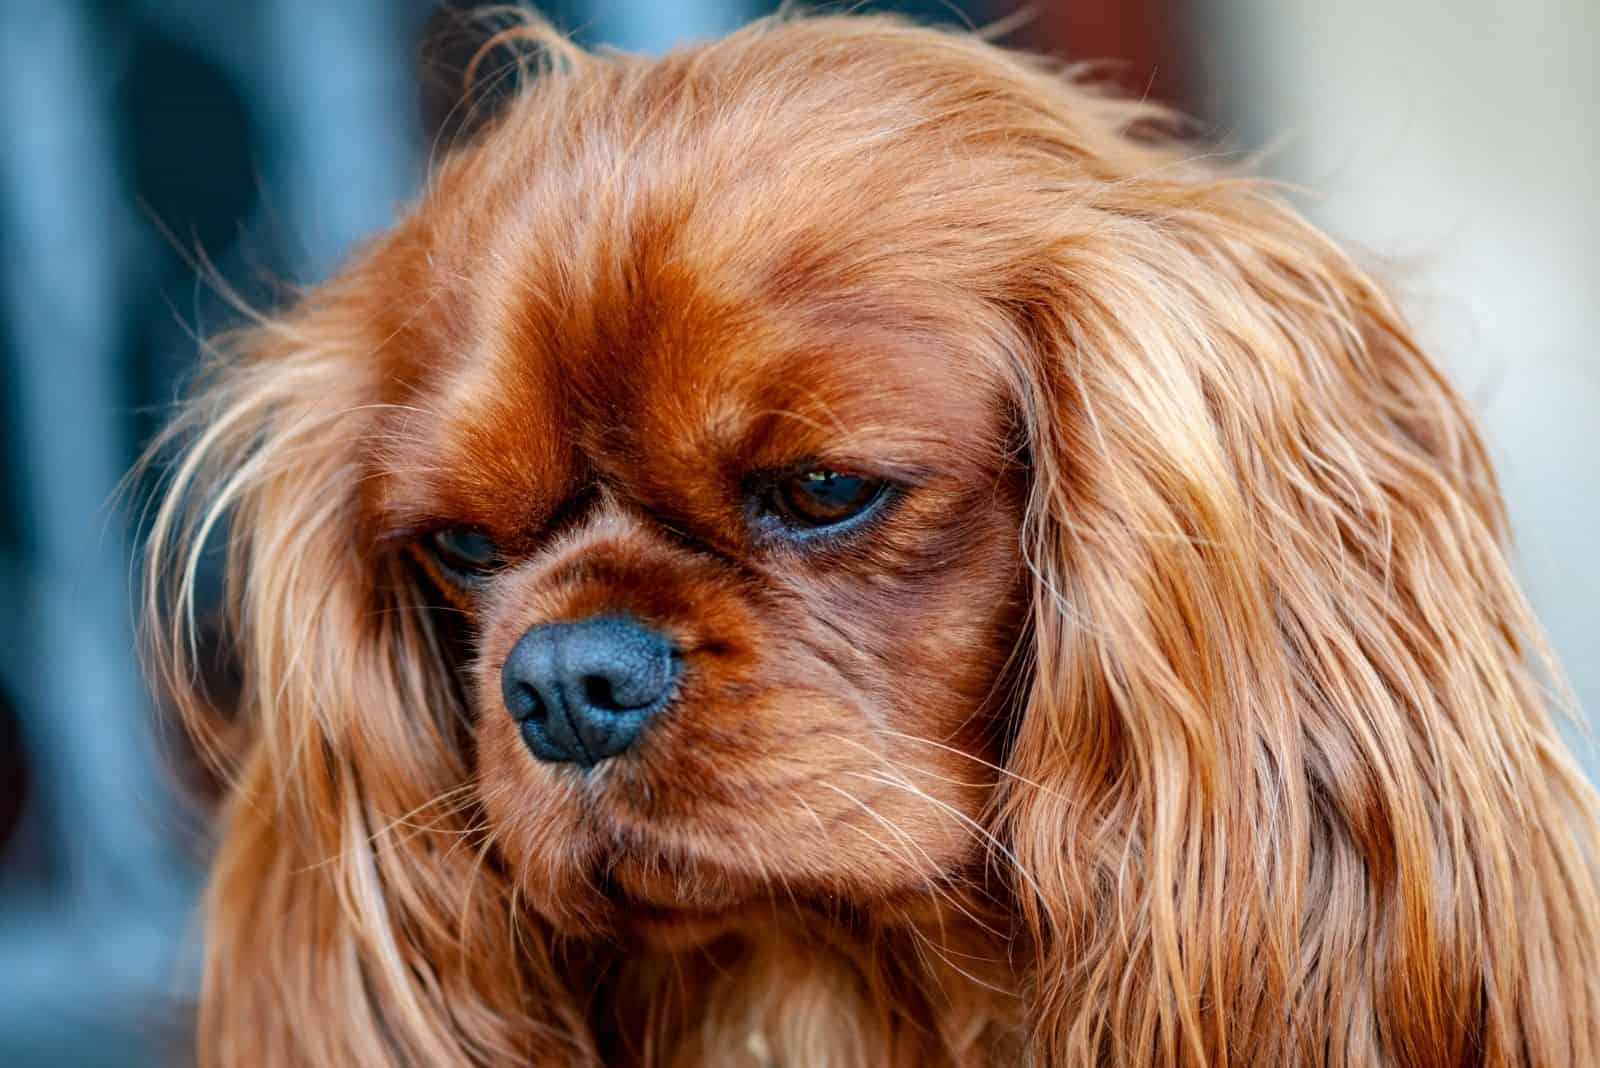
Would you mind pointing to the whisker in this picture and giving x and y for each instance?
(924, 941)
(993, 843)
(472, 883)
(455, 794)
(936, 874)
(1007, 772)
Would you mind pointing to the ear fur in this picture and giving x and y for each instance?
(1287, 787)
(353, 914)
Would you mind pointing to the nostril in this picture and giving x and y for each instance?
(598, 692)
(523, 702)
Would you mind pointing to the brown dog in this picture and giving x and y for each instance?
(843, 546)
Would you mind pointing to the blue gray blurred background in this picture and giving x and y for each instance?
(1455, 143)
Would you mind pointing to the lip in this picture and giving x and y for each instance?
(640, 798)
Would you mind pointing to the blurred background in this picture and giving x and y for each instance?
(1454, 143)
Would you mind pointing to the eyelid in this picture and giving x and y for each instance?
(896, 475)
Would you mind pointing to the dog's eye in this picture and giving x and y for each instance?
(464, 552)
(824, 498)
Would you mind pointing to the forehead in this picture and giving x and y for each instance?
(650, 313)
(684, 342)
(658, 386)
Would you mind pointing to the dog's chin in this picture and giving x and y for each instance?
(656, 885)
(652, 898)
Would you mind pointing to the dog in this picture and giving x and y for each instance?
(846, 545)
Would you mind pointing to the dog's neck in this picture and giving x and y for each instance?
(924, 986)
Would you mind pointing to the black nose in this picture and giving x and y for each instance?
(582, 691)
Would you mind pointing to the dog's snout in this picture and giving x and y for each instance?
(582, 691)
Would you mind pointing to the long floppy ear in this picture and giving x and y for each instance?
(1286, 787)
(351, 916)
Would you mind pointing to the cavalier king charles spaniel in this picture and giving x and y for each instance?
(845, 545)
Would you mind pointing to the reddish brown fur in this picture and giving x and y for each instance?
(1182, 710)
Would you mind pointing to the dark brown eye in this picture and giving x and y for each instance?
(823, 498)
(463, 552)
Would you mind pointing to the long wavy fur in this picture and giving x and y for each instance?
(1284, 786)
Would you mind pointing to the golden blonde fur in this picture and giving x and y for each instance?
(1280, 784)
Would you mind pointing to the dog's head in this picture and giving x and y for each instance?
(709, 430)
(846, 465)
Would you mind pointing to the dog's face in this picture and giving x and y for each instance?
(724, 488)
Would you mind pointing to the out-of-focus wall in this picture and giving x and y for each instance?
(1458, 143)
(135, 135)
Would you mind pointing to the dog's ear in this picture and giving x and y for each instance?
(1285, 775)
(351, 917)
